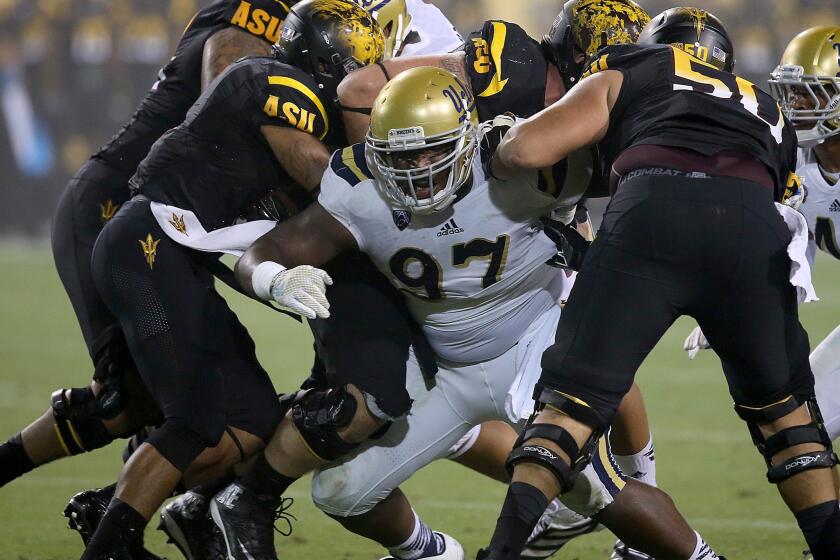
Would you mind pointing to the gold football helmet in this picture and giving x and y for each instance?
(394, 20)
(807, 84)
(422, 139)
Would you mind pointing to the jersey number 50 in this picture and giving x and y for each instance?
(695, 75)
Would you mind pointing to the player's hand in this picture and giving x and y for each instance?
(695, 342)
(490, 134)
(302, 290)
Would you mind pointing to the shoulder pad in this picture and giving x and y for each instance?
(291, 95)
(261, 18)
(349, 164)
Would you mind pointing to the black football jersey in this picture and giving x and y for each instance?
(507, 70)
(179, 82)
(670, 98)
(217, 161)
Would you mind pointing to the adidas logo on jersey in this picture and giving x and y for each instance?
(449, 228)
(835, 206)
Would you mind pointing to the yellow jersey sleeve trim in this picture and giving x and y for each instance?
(298, 86)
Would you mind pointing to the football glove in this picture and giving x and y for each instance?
(302, 290)
(491, 132)
(571, 245)
(695, 342)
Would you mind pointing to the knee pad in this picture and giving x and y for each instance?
(564, 472)
(814, 432)
(318, 415)
(78, 424)
(113, 361)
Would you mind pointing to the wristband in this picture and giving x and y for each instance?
(263, 276)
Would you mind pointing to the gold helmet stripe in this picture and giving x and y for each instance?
(296, 85)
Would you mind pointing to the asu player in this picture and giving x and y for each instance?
(700, 153)
(262, 122)
(469, 255)
(413, 27)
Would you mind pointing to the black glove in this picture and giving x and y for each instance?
(491, 133)
(571, 245)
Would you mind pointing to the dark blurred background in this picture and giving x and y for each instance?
(72, 71)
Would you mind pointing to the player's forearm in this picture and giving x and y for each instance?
(264, 249)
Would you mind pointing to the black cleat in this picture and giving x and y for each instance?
(247, 520)
(186, 521)
(84, 512)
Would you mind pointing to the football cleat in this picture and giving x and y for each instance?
(623, 552)
(187, 524)
(86, 509)
(557, 527)
(452, 550)
(247, 522)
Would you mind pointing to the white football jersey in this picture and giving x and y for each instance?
(821, 207)
(474, 273)
(430, 31)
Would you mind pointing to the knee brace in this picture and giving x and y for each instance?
(78, 423)
(524, 452)
(814, 432)
(318, 415)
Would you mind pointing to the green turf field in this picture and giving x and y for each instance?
(705, 458)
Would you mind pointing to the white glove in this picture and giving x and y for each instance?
(695, 342)
(302, 290)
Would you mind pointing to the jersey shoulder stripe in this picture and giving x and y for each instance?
(349, 164)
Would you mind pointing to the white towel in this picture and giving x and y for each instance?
(800, 268)
(183, 227)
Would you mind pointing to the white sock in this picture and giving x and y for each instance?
(641, 465)
(702, 551)
(422, 542)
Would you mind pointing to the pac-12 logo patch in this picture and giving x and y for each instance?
(402, 218)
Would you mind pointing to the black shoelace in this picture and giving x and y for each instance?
(283, 514)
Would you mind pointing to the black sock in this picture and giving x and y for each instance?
(820, 525)
(14, 462)
(262, 479)
(120, 530)
(524, 504)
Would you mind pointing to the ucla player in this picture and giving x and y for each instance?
(807, 85)
(469, 255)
(413, 27)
